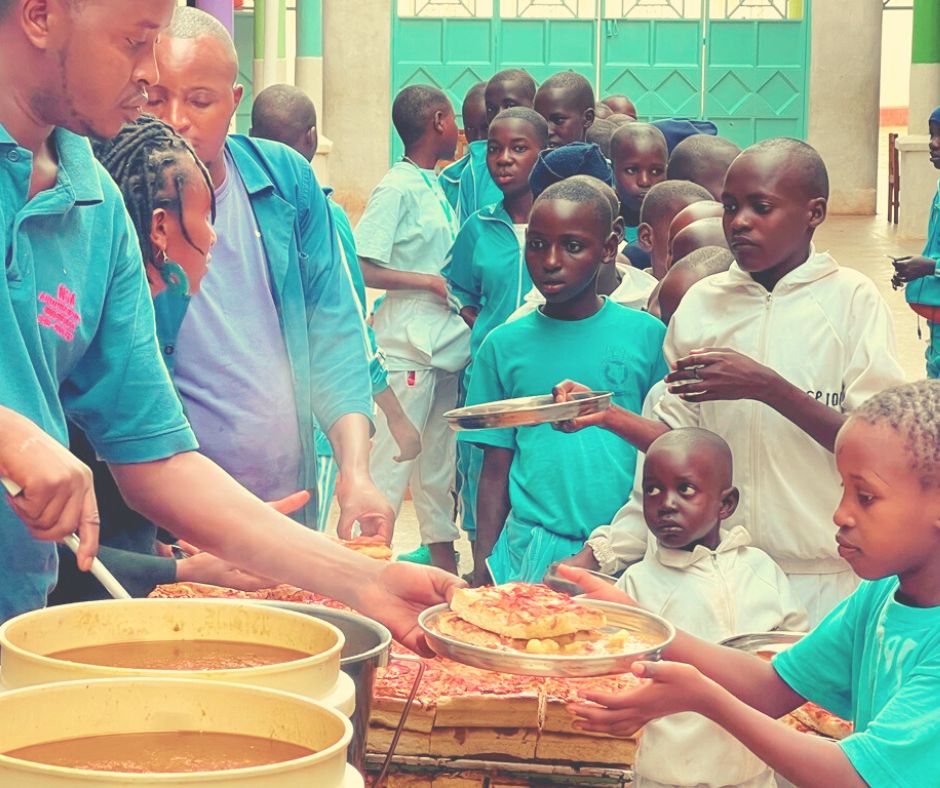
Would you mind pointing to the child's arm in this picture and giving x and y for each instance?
(381, 278)
(403, 431)
(632, 427)
(907, 269)
(492, 507)
(723, 374)
(670, 688)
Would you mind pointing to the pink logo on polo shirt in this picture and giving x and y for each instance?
(58, 313)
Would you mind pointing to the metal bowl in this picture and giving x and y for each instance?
(757, 642)
(619, 617)
(527, 411)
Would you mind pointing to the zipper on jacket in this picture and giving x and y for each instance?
(754, 507)
(725, 595)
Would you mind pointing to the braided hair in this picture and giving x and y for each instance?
(145, 159)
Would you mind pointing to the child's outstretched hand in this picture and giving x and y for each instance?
(907, 269)
(668, 688)
(594, 587)
(562, 393)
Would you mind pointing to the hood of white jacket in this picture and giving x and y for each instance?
(682, 559)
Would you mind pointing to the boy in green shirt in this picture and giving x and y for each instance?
(540, 492)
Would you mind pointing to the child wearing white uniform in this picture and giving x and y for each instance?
(710, 583)
(772, 355)
(403, 238)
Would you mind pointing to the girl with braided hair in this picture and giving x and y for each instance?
(169, 196)
(171, 204)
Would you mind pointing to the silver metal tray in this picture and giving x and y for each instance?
(619, 617)
(755, 642)
(527, 411)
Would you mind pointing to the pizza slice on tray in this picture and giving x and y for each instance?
(524, 611)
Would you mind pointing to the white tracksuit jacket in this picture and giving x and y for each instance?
(825, 329)
(712, 594)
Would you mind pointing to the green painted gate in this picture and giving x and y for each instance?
(741, 63)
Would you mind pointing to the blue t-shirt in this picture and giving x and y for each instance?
(232, 368)
(568, 484)
(876, 662)
(77, 327)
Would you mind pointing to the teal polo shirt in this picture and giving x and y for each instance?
(77, 327)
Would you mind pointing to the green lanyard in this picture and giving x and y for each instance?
(441, 200)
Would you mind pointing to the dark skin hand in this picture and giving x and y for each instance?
(724, 374)
(907, 269)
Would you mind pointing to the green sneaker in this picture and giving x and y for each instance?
(421, 555)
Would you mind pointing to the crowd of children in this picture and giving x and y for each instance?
(571, 248)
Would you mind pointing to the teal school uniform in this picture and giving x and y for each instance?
(876, 662)
(926, 290)
(563, 486)
(77, 322)
(485, 270)
(477, 187)
(449, 179)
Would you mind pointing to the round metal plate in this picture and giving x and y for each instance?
(527, 411)
(619, 617)
(756, 642)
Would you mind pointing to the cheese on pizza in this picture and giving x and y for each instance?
(522, 610)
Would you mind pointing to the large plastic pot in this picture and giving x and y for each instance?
(366, 648)
(67, 710)
(25, 642)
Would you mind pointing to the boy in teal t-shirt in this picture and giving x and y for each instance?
(485, 271)
(922, 273)
(541, 491)
(875, 659)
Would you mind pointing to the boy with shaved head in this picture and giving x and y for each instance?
(403, 239)
(566, 101)
(284, 113)
(711, 583)
(772, 355)
(77, 318)
(475, 123)
(512, 87)
(538, 490)
(277, 258)
(703, 159)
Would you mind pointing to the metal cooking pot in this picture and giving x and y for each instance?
(366, 648)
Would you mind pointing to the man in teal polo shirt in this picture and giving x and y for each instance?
(77, 324)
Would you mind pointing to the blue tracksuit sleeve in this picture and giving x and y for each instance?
(464, 285)
(339, 354)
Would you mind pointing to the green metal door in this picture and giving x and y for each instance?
(453, 44)
(656, 62)
(756, 69)
(740, 63)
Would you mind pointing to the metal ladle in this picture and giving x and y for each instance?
(98, 569)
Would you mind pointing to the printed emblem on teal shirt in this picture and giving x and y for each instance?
(615, 371)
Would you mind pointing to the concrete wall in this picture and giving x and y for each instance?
(844, 99)
(896, 57)
(357, 101)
